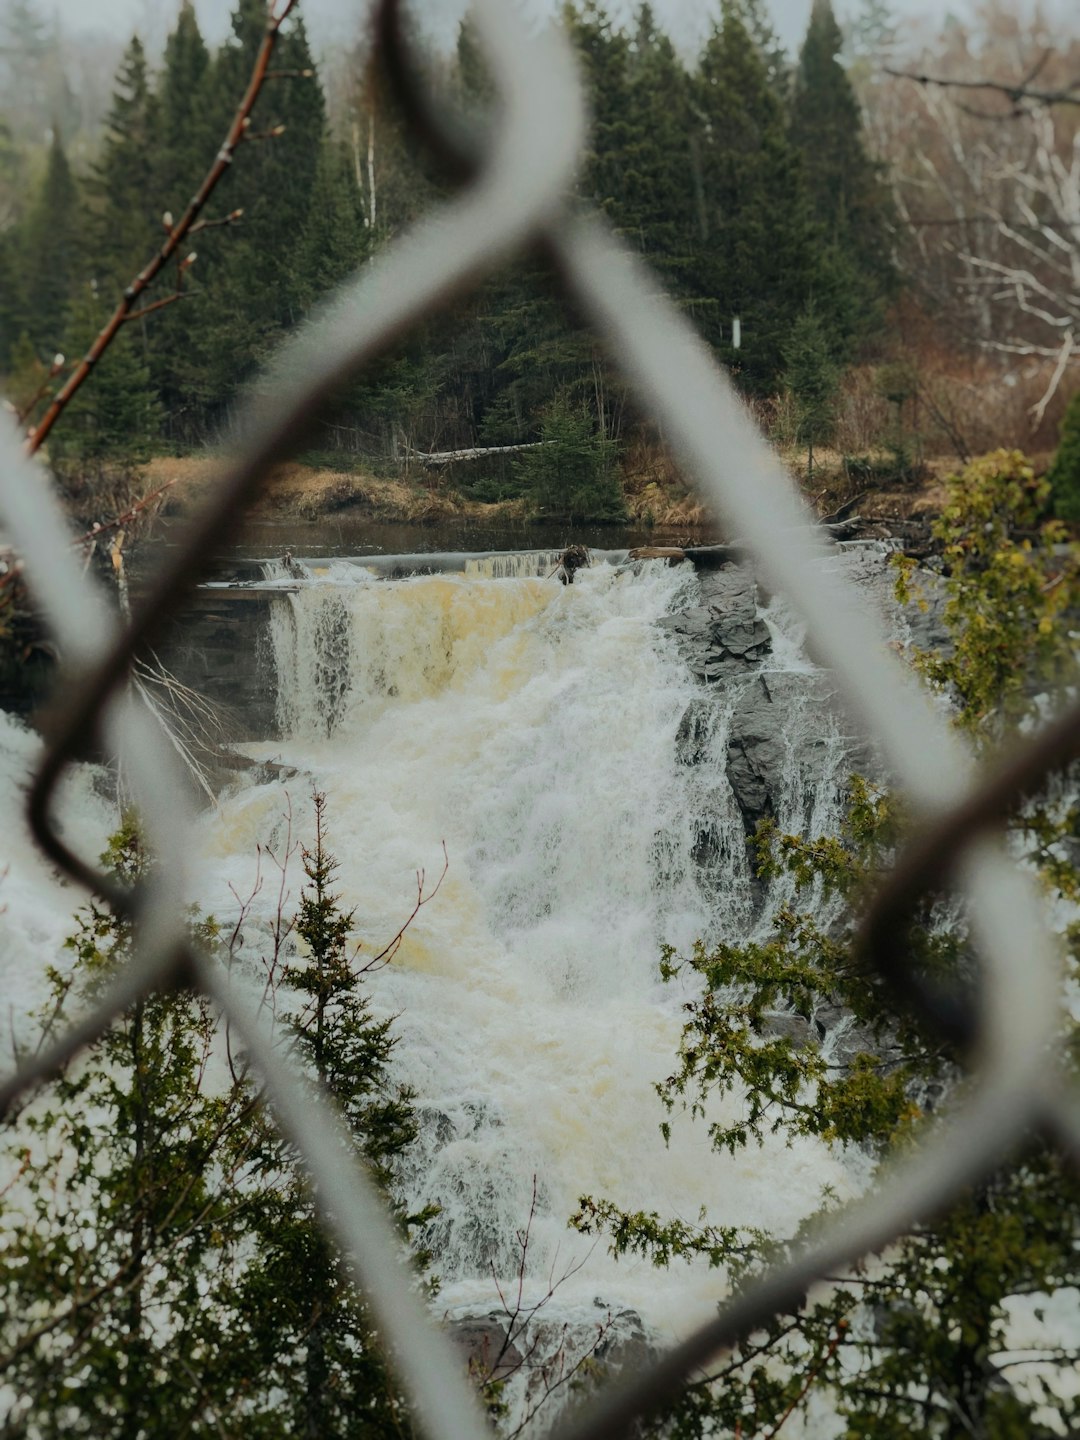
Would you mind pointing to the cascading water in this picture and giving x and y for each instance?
(534, 729)
(557, 741)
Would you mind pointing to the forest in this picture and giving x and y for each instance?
(567, 924)
(871, 259)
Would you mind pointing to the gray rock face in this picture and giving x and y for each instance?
(484, 1343)
(723, 636)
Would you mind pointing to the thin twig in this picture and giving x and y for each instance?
(237, 132)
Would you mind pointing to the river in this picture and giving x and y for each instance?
(534, 731)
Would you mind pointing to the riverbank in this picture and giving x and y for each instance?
(656, 495)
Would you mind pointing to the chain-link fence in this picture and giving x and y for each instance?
(515, 196)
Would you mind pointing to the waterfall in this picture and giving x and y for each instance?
(534, 728)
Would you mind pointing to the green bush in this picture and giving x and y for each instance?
(571, 475)
(1064, 472)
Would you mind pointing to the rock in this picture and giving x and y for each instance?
(482, 1340)
(789, 1026)
(625, 1345)
(779, 721)
(723, 636)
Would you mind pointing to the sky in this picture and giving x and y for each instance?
(332, 19)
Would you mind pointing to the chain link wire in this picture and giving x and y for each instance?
(515, 198)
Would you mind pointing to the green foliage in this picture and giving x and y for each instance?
(813, 378)
(48, 255)
(846, 188)
(1009, 587)
(1063, 477)
(915, 1339)
(162, 1270)
(570, 476)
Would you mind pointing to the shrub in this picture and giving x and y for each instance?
(1064, 472)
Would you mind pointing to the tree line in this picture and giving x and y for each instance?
(745, 182)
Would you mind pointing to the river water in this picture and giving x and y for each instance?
(531, 729)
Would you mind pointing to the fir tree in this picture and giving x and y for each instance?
(123, 192)
(845, 186)
(757, 255)
(49, 259)
(162, 1269)
(118, 417)
(1064, 472)
(812, 377)
(255, 289)
(659, 188)
(570, 476)
(122, 1217)
(310, 1348)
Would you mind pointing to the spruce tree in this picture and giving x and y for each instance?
(186, 144)
(571, 475)
(845, 186)
(659, 190)
(309, 1351)
(124, 215)
(812, 377)
(123, 1216)
(50, 259)
(758, 253)
(1064, 472)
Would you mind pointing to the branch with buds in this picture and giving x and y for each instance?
(1019, 94)
(128, 308)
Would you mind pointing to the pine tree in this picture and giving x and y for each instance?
(124, 221)
(1064, 472)
(309, 1349)
(49, 261)
(659, 189)
(122, 1215)
(758, 253)
(812, 377)
(571, 476)
(844, 184)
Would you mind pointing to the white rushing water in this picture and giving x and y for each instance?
(532, 728)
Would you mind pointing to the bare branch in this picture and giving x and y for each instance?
(1017, 94)
(176, 234)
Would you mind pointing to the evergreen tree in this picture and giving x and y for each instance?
(125, 223)
(659, 186)
(254, 287)
(186, 145)
(812, 377)
(162, 1270)
(1064, 472)
(186, 142)
(122, 1217)
(758, 254)
(570, 476)
(916, 1339)
(310, 1355)
(49, 259)
(844, 184)
(603, 51)
(117, 417)
(754, 17)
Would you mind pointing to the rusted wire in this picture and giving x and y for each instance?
(515, 196)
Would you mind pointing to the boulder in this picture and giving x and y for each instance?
(723, 636)
(482, 1340)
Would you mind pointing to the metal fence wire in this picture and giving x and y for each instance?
(515, 196)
